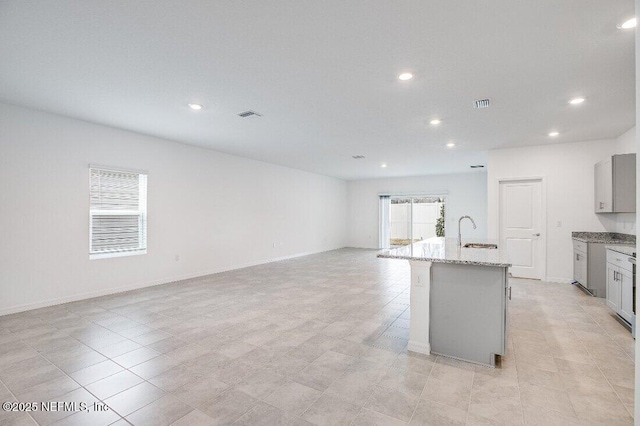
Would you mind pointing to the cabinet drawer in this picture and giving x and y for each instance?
(580, 246)
(618, 259)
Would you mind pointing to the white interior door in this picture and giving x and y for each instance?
(521, 226)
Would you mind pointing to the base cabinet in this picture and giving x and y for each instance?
(468, 312)
(620, 285)
(626, 295)
(613, 288)
(589, 260)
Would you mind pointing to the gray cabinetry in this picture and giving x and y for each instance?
(620, 285)
(580, 269)
(615, 184)
(626, 295)
(468, 311)
(589, 261)
(613, 288)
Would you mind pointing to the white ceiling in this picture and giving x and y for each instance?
(324, 74)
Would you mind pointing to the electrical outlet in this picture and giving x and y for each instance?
(559, 224)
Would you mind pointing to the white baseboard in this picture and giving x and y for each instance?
(558, 280)
(364, 248)
(115, 290)
(421, 348)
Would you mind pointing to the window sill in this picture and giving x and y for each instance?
(116, 254)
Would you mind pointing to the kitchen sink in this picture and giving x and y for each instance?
(481, 246)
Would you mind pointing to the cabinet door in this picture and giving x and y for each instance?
(603, 172)
(583, 266)
(577, 268)
(613, 288)
(626, 294)
(624, 183)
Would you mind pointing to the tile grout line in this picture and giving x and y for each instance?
(470, 396)
(16, 398)
(600, 369)
(78, 383)
(433, 364)
(42, 355)
(515, 366)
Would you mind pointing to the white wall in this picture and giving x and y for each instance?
(626, 142)
(467, 195)
(216, 211)
(568, 172)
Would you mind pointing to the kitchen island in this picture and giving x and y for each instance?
(459, 299)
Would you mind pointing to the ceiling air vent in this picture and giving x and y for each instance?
(358, 157)
(482, 103)
(249, 113)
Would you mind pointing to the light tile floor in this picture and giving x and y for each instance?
(315, 340)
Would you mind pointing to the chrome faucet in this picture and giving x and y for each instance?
(460, 235)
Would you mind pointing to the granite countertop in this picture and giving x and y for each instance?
(604, 237)
(446, 250)
(623, 249)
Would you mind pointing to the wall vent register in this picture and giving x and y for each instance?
(249, 113)
(482, 103)
(117, 212)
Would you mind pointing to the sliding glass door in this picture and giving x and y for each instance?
(412, 219)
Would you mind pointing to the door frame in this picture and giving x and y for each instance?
(498, 218)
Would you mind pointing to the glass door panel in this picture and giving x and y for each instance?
(414, 219)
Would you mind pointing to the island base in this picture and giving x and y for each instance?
(459, 311)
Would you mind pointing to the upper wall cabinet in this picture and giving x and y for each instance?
(615, 184)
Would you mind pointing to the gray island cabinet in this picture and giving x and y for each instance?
(459, 299)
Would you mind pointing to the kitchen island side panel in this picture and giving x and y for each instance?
(468, 311)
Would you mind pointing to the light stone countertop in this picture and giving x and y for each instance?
(446, 250)
(628, 250)
(604, 237)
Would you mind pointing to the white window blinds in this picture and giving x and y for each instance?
(118, 213)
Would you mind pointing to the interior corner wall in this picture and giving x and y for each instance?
(626, 142)
(568, 172)
(215, 211)
(467, 195)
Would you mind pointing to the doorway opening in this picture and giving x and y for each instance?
(411, 219)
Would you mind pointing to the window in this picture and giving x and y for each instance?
(117, 213)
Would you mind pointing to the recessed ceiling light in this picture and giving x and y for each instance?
(576, 101)
(435, 122)
(451, 145)
(628, 24)
(383, 165)
(553, 134)
(405, 76)
(195, 107)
